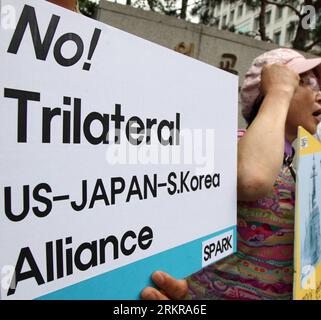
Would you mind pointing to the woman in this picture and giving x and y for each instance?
(281, 91)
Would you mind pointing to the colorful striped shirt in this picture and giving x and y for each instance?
(262, 268)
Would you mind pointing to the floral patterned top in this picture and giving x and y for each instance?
(262, 268)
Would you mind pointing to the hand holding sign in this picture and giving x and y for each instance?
(170, 288)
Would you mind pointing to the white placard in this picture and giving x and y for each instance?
(85, 211)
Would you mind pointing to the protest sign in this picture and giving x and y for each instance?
(307, 275)
(118, 158)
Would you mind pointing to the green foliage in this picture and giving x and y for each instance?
(87, 7)
(204, 10)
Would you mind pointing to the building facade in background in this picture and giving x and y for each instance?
(280, 22)
(220, 48)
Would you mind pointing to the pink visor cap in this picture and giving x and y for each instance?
(250, 90)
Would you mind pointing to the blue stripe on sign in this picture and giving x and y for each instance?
(127, 282)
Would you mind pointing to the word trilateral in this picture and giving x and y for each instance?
(75, 126)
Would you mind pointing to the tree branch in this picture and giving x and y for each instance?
(262, 28)
(310, 46)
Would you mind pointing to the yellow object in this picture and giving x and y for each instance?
(307, 246)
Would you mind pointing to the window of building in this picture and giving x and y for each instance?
(277, 37)
(224, 21)
(268, 17)
(220, 7)
(240, 11)
(244, 29)
(232, 16)
(256, 23)
(290, 12)
(248, 8)
(279, 13)
(289, 34)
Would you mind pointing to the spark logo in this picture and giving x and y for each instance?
(216, 248)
